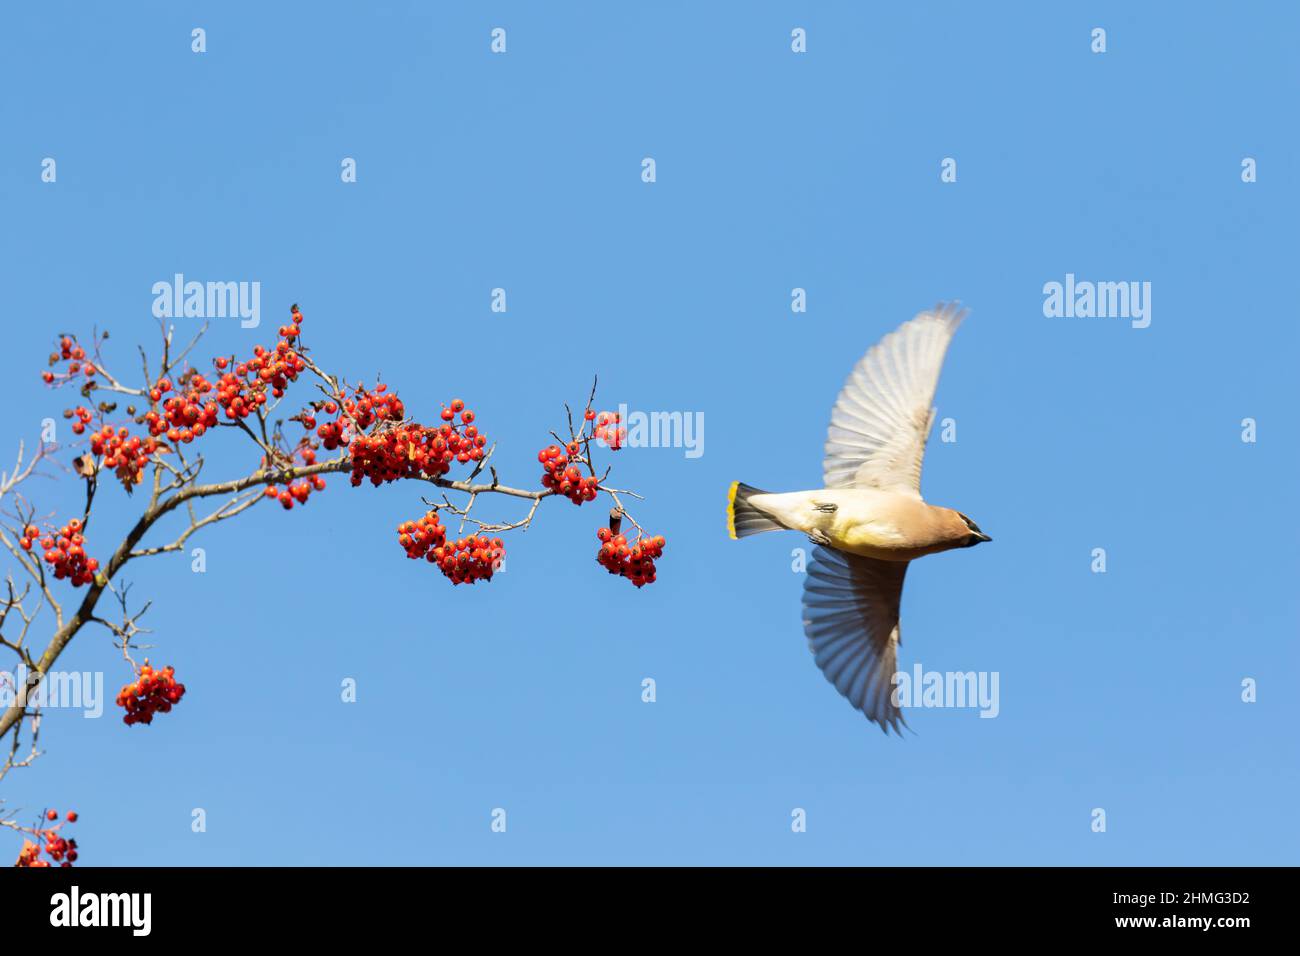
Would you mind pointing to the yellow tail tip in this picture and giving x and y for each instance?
(731, 511)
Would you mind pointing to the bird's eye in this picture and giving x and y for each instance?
(971, 524)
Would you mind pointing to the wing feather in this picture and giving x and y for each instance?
(850, 611)
(883, 415)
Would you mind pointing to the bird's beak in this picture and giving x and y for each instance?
(983, 537)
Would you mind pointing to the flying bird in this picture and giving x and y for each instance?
(869, 521)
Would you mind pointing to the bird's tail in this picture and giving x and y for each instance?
(743, 519)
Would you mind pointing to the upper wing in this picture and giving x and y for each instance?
(882, 418)
(850, 614)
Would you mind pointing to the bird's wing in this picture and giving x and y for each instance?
(850, 614)
(883, 415)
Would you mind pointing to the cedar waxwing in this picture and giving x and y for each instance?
(869, 521)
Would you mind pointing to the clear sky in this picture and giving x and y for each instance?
(774, 171)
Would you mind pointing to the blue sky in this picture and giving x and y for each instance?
(775, 170)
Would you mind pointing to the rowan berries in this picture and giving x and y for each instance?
(153, 692)
(473, 558)
(296, 491)
(609, 431)
(60, 849)
(565, 478)
(410, 450)
(419, 539)
(237, 392)
(65, 553)
(124, 453)
(635, 562)
(74, 355)
(186, 415)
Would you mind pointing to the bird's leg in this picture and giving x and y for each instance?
(817, 535)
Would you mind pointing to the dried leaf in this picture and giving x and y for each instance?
(130, 481)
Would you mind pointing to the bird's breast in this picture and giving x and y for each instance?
(887, 527)
(872, 539)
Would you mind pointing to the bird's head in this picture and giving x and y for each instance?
(967, 532)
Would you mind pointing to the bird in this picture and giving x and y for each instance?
(869, 522)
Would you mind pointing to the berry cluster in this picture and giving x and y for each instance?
(365, 408)
(65, 552)
(293, 329)
(331, 433)
(123, 453)
(423, 538)
(298, 491)
(82, 415)
(192, 405)
(153, 691)
(402, 452)
(61, 850)
(242, 390)
(186, 415)
(463, 441)
(237, 395)
(72, 353)
(564, 477)
(470, 559)
(635, 562)
(609, 431)
(412, 450)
